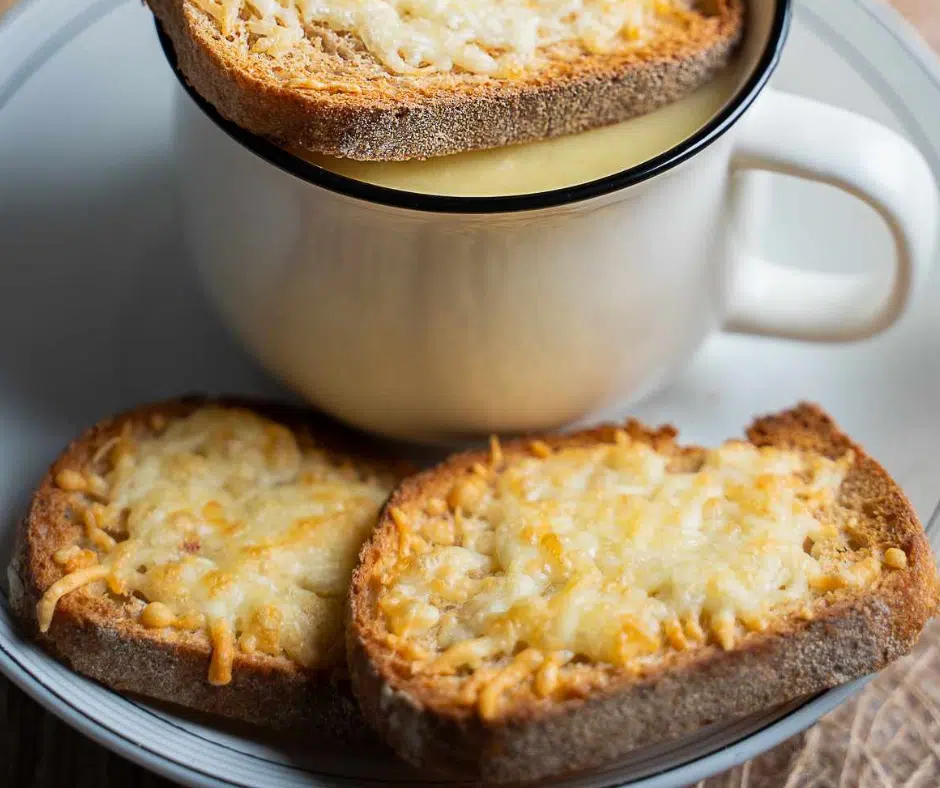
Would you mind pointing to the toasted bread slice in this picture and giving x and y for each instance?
(559, 602)
(395, 80)
(199, 552)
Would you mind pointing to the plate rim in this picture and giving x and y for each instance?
(85, 14)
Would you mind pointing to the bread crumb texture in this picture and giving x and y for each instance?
(404, 79)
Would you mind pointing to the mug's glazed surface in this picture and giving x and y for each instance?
(421, 325)
(426, 317)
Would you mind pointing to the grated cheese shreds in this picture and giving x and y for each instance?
(608, 553)
(230, 526)
(494, 37)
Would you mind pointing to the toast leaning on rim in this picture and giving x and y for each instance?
(199, 552)
(405, 79)
(557, 602)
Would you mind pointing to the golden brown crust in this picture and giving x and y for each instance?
(850, 634)
(391, 117)
(99, 635)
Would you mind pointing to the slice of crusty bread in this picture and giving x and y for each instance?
(99, 632)
(330, 95)
(840, 634)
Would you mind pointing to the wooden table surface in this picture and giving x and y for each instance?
(925, 14)
(848, 748)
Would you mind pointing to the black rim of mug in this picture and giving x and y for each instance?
(433, 203)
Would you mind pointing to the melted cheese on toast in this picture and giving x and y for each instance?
(612, 554)
(493, 37)
(223, 521)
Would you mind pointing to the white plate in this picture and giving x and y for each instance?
(98, 311)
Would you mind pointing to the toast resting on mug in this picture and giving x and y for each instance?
(406, 79)
(199, 552)
(557, 602)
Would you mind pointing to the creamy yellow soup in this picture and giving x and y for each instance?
(549, 164)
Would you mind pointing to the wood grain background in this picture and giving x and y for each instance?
(925, 14)
(38, 751)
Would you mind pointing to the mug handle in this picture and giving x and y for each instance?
(797, 136)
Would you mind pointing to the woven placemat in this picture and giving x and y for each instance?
(888, 736)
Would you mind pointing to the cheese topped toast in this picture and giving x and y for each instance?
(557, 602)
(200, 552)
(406, 79)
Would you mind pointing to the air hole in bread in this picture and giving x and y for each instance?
(856, 541)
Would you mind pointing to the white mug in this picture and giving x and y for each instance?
(424, 317)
